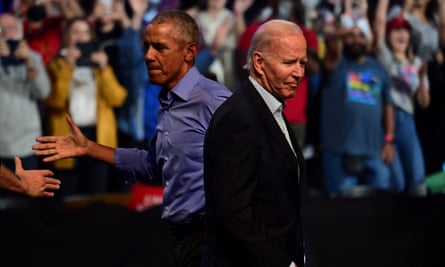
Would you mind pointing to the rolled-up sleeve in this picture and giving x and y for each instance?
(135, 165)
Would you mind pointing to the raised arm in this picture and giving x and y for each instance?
(442, 24)
(239, 9)
(70, 8)
(379, 24)
(334, 47)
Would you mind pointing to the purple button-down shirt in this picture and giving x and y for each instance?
(175, 155)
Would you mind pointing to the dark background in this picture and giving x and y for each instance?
(370, 231)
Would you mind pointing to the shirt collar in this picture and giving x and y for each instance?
(272, 103)
(183, 88)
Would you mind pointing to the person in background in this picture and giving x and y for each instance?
(32, 183)
(221, 27)
(43, 28)
(422, 16)
(23, 83)
(357, 119)
(410, 86)
(119, 30)
(83, 85)
(175, 153)
(253, 164)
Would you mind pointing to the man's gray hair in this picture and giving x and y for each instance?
(184, 24)
(267, 33)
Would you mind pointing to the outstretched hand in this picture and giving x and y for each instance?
(61, 147)
(36, 183)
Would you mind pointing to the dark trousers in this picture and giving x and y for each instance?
(188, 240)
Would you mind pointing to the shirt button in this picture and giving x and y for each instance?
(167, 183)
(166, 208)
(166, 133)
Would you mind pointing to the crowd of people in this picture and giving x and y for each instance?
(368, 110)
(244, 90)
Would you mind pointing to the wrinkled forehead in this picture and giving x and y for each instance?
(162, 31)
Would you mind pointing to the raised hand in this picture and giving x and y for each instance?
(240, 6)
(60, 147)
(36, 183)
(138, 6)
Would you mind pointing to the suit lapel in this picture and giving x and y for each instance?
(296, 147)
(272, 126)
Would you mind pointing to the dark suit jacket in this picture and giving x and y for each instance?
(251, 180)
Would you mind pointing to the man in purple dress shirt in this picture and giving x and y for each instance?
(175, 155)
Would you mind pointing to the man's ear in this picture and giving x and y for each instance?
(191, 51)
(257, 62)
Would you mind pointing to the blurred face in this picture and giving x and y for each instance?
(9, 27)
(167, 56)
(281, 68)
(420, 3)
(216, 4)
(79, 33)
(399, 39)
(354, 43)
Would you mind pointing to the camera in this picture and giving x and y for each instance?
(86, 49)
(11, 60)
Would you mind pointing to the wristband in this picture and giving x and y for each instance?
(389, 138)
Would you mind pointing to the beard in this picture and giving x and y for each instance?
(354, 51)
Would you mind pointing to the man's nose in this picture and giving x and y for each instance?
(149, 53)
(298, 71)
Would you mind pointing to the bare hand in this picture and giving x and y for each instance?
(138, 7)
(23, 51)
(71, 55)
(4, 48)
(61, 147)
(101, 58)
(240, 6)
(221, 34)
(387, 153)
(36, 183)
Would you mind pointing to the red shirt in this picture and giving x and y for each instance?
(47, 39)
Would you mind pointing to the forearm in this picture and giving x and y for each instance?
(388, 120)
(423, 96)
(100, 152)
(9, 181)
(380, 22)
(71, 9)
(442, 23)
(334, 47)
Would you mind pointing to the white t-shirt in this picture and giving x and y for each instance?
(82, 101)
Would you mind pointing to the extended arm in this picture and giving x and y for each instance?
(73, 145)
(33, 183)
(380, 23)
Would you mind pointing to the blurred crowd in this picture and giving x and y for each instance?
(371, 109)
